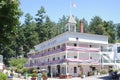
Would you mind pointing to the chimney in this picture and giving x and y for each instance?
(81, 26)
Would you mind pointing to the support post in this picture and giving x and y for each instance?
(66, 68)
(51, 72)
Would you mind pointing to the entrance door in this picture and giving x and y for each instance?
(49, 71)
(58, 70)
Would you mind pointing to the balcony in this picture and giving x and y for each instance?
(48, 53)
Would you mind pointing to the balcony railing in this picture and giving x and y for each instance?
(48, 53)
(69, 48)
(45, 63)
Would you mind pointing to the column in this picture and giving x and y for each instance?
(51, 71)
(78, 55)
(66, 54)
(66, 63)
(89, 55)
(66, 68)
(100, 53)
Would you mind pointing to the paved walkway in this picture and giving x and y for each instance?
(100, 77)
(18, 79)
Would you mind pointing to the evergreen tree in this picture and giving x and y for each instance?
(30, 34)
(61, 24)
(118, 32)
(40, 22)
(96, 26)
(109, 30)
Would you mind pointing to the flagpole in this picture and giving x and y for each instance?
(70, 7)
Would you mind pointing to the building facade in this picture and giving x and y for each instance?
(65, 53)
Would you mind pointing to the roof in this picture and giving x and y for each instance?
(72, 20)
(71, 36)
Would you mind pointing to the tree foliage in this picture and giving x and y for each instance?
(29, 35)
(95, 26)
(61, 24)
(118, 32)
(40, 17)
(9, 19)
(100, 27)
(17, 63)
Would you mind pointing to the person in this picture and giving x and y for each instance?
(39, 75)
(26, 76)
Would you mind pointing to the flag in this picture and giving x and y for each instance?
(74, 5)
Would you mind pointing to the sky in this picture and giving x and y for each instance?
(55, 9)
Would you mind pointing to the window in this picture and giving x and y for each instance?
(75, 69)
(53, 58)
(48, 50)
(63, 70)
(90, 57)
(54, 48)
(90, 46)
(64, 57)
(75, 44)
(58, 46)
(76, 38)
(101, 48)
(58, 58)
(63, 45)
(48, 60)
(118, 49)
(75, 56)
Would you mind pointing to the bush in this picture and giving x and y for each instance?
(44, 75)
(29, 74)
(90, 73)
(18, 71)
(25, 70)
(80, 75)
(3, 76)
(34, 75)
(103, 72)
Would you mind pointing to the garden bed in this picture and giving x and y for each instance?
(63, 76)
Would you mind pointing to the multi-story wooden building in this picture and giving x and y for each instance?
(64, 53)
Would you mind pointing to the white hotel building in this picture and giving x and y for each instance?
(63, 53)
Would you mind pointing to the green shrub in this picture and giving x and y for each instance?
(18, 71)
(25, 70)
(3, 76)
(80, 74)
(34, 75)
(29, 74)
(44, 75)
(103, 72)
(90, 73)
